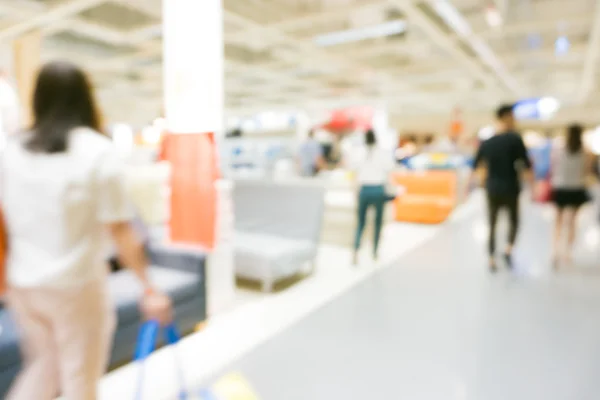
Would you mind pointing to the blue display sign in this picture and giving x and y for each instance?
(536, 108)
(527, 109)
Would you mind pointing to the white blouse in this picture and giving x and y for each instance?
(56, 207)
(373, 166)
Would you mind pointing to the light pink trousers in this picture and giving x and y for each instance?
(66, 338)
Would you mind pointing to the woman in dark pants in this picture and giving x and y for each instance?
(372, 169)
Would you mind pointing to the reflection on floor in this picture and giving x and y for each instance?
(434, 325)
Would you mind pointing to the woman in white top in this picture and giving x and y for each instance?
(63, 194)
(372, 170)
(570, 167)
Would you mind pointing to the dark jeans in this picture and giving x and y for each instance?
(370, 196)
(496, 202)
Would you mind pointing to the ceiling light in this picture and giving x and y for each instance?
(562, 45)
(493, 17)
(536, 108)
(548, 106)
(453, 18)
(359, 34)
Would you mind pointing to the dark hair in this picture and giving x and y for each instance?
(574, 138)
(370, 138)
(504, 111)
(63, 100)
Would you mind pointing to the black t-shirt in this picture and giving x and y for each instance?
(504, 156)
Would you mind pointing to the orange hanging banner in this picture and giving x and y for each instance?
(194, 171)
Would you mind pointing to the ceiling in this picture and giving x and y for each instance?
(273, 60)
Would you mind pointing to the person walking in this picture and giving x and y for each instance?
(504, 158)
(310, 156)
(571, 165)
(372, 168)
(63, 192)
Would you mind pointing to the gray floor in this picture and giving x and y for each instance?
(437, 326)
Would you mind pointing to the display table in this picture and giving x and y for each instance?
(429, 196)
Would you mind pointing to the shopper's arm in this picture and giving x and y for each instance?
(115, 211)
(131, 251)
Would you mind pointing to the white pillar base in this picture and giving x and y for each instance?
(221, 267)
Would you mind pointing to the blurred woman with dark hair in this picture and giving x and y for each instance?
(63, 192)
(571, 166)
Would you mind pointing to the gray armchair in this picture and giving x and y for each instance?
(277, 228)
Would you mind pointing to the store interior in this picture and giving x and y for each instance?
(209, 110)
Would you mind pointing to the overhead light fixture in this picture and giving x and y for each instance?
(356, 35)
(451, 16)
(562, 45)
(493, 17)
(548, 106)
(542, 108)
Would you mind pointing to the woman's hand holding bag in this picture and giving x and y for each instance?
(156, 306)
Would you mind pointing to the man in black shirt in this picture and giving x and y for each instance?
(504, 157)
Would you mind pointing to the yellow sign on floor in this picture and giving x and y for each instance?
(233, 387)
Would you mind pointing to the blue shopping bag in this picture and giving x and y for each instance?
(146, 344)
(230, 387)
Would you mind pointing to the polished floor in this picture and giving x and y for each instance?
(437, 326)
(427, 323)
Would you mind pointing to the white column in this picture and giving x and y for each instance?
(221, 266)
(193, 86)
(193, 65)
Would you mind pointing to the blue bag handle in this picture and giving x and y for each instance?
(146, 344)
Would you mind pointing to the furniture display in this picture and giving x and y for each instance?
(429, 196)
(277, 228)
(177, 271)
